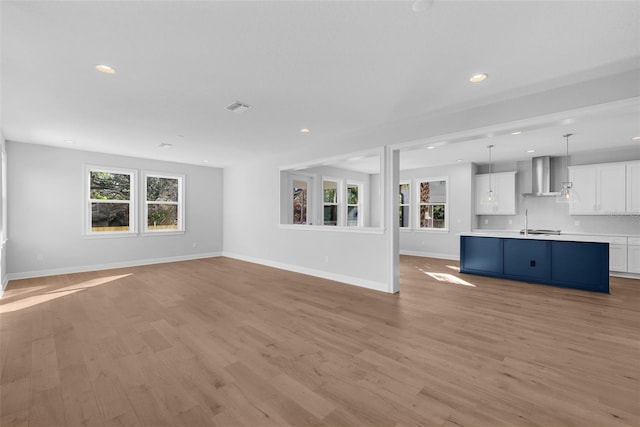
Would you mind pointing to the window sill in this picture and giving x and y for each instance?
(110, 235)
(162, 233)
(339, 229)
(432, 230)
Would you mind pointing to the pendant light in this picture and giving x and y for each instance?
(489, 197)
(567, 193)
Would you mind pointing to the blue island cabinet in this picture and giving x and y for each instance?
(580, 265)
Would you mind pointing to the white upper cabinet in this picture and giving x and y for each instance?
(503, 185)
(601, 188)
(584, 183)
(633, 187)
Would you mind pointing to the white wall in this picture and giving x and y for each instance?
(3, 215)
(355, 256)
(438, 243)
(545, 213)
(45, 214)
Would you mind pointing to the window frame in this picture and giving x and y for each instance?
(418, 204)
(359, 205)
(308, 179)
(339, 196)
(407, 204)
(132, 202)
(145, 203)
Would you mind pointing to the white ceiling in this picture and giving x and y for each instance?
(336, 68)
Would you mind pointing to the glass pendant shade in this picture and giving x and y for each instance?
(489, 198)
(567, 194)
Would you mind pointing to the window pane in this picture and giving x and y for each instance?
(162, 189)
(352, 216)
(426, 216)
(438, 216)
(299, 202)
(110, 186)
(331, 215)
(404, 194)
(352, 195)
(433, 192)
(404, 216)
(330, 191)
(109, 217)
(162, 217)
(438, 191)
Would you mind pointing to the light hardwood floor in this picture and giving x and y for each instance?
(220, 342)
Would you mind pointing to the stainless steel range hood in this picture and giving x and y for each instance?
(541, 178)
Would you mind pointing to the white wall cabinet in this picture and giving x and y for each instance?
(601, 189)
(633, 255)
(503, 185)
(633, 187)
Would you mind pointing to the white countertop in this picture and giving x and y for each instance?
(572, 237)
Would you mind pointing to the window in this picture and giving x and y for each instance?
(432, 206)
(354, 192)
(404, 204)
(330, 199)
(164, 204)
(300, 190)
(110, 201)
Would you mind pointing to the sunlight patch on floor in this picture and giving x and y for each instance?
(31, 301)
(447, 278)
(91, 283)
(57, 293)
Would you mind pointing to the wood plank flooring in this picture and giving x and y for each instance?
(221, 342)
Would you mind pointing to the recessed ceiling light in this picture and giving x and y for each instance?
(477, 78)
(165, 146)
(460, 160)
(205, 161)
(518, 132)
(68, 141)
(304, 130)
(431, 147)
(636, 138)
(531, 151)
(105, 69)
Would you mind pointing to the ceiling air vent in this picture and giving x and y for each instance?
(237, 107)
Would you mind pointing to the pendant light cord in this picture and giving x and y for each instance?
(489, 147)
(567, 157)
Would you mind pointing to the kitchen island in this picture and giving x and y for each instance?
(548, 259)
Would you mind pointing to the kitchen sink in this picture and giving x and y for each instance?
(536, 231)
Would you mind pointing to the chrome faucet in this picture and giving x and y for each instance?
(526, 222)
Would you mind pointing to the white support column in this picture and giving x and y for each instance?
(391, 180)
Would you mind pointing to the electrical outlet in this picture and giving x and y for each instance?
(577, 223)
(326, 258)
(486, 221)
(39, 257)
(510, 221)
(195, 244)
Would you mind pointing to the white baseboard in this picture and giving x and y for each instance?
(108, 266)
(350, 280)
(625, 275)
(431, 255)
(5, 280)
